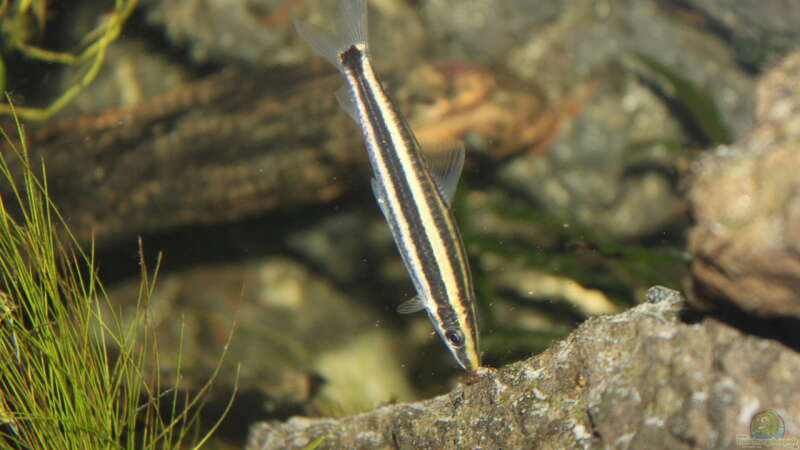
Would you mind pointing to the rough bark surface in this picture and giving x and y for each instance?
(746, 200)
(641, 379)
(225, 147)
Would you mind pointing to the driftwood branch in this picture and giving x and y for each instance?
(240, 143)
(217, 150)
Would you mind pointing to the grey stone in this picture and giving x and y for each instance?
(640, 379)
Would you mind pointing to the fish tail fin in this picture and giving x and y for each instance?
(352, 31)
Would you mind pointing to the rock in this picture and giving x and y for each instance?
(640, 379)
(559, 46)
(757, 34)
(746, 201)
(298, 340)
(253, 31)
(259, 33)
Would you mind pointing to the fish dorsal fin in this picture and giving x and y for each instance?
(411, 306)
(346, 102)
(445, 168)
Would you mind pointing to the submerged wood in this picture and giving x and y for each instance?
(226, 147)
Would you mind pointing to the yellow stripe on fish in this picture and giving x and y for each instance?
(414, 200)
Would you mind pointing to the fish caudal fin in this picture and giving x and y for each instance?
(352, 31)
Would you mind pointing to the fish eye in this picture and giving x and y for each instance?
(454, 337)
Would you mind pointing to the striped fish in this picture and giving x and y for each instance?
(413, 198)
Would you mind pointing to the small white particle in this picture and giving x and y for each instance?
(654, 421)
(623, 440)
(581, 433)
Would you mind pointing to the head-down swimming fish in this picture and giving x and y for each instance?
(413, 197)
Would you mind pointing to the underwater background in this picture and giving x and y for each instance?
(209, 132)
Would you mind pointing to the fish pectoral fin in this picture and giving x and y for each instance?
(346, 102)
(445, 168)
(411, 306)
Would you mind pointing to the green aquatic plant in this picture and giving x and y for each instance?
(21, 21)
(592, 257)
(314, 445)
(72, 374)
(700, 108)
(696, 109)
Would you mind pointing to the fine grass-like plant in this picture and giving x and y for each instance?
(72, 375)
